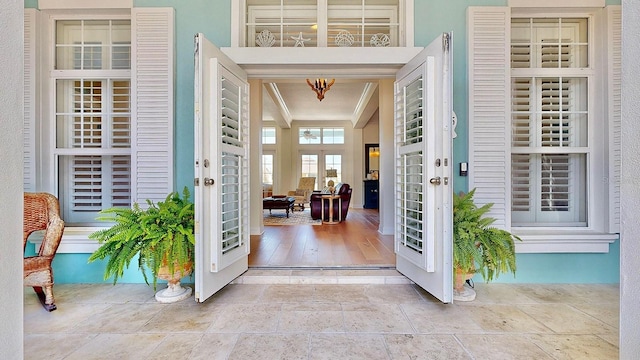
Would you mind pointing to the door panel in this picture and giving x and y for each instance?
(423, 236)
(221, 169)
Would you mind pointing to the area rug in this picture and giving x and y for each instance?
(279, 217)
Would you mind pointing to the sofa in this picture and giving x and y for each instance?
(315, 202)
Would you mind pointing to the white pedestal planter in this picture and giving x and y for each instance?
(174, 292)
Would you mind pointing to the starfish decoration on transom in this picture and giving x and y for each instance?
(299, 40)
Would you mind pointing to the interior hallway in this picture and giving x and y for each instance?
(325, 314)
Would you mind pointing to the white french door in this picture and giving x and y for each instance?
(221, 169)
(423, 188)
(316, 164)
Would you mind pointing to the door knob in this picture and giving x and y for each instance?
(208, 181)
(435, 181)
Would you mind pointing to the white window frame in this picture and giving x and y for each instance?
(151, 151)
(490, 126)
(405, 36)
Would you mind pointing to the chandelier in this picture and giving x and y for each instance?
(320, 87)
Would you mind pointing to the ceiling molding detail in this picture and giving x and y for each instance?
(286, 119)
(366, 106)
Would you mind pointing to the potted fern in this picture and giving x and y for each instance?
(161, 236)
(478, 247)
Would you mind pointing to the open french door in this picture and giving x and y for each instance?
(221, 117)
(423, 111)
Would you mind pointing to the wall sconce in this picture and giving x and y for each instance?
(320, 87)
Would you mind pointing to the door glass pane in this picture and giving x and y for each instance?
(310, 167)
(333, 168)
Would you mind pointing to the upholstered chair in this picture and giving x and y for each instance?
(303, 191)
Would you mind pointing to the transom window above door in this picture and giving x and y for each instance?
(322, 23)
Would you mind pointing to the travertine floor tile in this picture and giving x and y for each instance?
(271, 346)
(341, 293)
(117, 346)
(392, 294)
(120, 318)
(564, 319)
(311, 317)
(499, 294)
(232, 293)
(175, 346)
(288, 293)
(375, 318)
(429, 318)
(53, 346)
(501, 346)
(347, 346)
(563, 347)
(239, 318)
(317, 321)
(214, 347)
(434, 347)
(504, 318)
(608, 313)
(64, 319)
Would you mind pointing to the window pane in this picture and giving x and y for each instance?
(267, 169)
(268, 135)
(549, 43)
(93, 44)
(548, 189)
(309, 136)
(88, 184)
(333, 162)
(294, 23)
(310, 167)
(549, 112)
(333, 136)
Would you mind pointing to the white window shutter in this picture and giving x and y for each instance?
(614, 84)
(489, 109)
(152, 68)
(29, 130)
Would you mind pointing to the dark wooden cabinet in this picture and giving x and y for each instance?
(370, 194)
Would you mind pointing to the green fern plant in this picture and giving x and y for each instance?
(478, 246)
(161, 235)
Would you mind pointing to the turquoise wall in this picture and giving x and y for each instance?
(194, 16)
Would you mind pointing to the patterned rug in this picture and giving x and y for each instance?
(279, 217)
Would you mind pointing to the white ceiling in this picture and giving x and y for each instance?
(294, 100)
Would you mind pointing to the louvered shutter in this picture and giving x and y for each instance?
(29, 130)
(489, 109)
(614, 19)
(152, 107)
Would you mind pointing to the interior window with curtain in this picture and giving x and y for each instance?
(92, 93)
(549, 121)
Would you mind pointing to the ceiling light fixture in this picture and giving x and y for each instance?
(320, 87)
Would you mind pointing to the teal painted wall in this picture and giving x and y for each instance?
(194, 16)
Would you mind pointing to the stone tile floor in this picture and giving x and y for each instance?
(314, 314)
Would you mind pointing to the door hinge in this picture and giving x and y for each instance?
(445, 41)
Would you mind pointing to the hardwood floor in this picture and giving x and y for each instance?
(354, 242)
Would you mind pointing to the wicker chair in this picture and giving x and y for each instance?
(42, 212)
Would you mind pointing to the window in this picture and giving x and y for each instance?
(268, 135)
(98, 132)
(309, 136)
(544, 123)
(322, 23)
(333, 136)
(550, 153)
(93, 116)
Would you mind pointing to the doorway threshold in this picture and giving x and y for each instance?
(322, 275)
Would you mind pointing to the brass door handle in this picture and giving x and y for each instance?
(435, 181)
